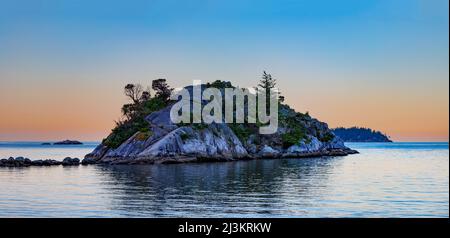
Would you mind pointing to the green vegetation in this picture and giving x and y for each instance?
(134, 113)
(199, 126)
(268, 83)
(144, 134)
(293, 137)
(219, 84)
(185, 136)
(121, 133)
(293, 123)
(242, 131)
(327, 137)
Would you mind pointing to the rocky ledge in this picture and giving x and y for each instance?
(25, 162)
(206, 146)
(161, 141)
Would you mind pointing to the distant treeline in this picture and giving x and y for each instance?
(360, 134)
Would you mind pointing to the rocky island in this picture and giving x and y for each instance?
(147, 135)
(68, 142)
(360, 134)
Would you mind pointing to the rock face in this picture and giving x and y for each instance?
(15, 162)
(98, 153)
(298, 135)
(216, 142)
(268, 152)
(304, 146)
(88, 161)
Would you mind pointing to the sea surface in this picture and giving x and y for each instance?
(384, 180)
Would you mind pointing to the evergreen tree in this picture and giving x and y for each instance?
(268, 83)
(162, 89)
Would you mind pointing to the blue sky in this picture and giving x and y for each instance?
(369, 57)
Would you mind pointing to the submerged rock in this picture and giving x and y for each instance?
(25, 162)
(47, 162)
(87, 161)
(70, 161)
(37, 162)
(16, 162)
(50, 162)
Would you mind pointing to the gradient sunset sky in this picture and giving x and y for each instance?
(381, 64)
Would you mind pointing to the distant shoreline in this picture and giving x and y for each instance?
(24, 162)
(360, 134)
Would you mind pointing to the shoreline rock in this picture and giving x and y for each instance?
(25, 162)
(88, 161)
(213, 143)
(70, 161)
(266, 153)
(47, 162)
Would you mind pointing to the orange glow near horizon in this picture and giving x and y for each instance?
(87, 111)
(378, 64)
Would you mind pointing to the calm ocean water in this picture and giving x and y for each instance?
(385, 180)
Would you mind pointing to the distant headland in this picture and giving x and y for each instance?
(68, 142)
(360, 134)
(64, 142)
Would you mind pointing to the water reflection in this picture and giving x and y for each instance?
(385, 180)
(216, 189)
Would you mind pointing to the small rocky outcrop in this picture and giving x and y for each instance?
(70, 161)
(15, 162)
(68, 142)
(25, 162)
(47, 162)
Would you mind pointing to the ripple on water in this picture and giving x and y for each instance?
(385, 180)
